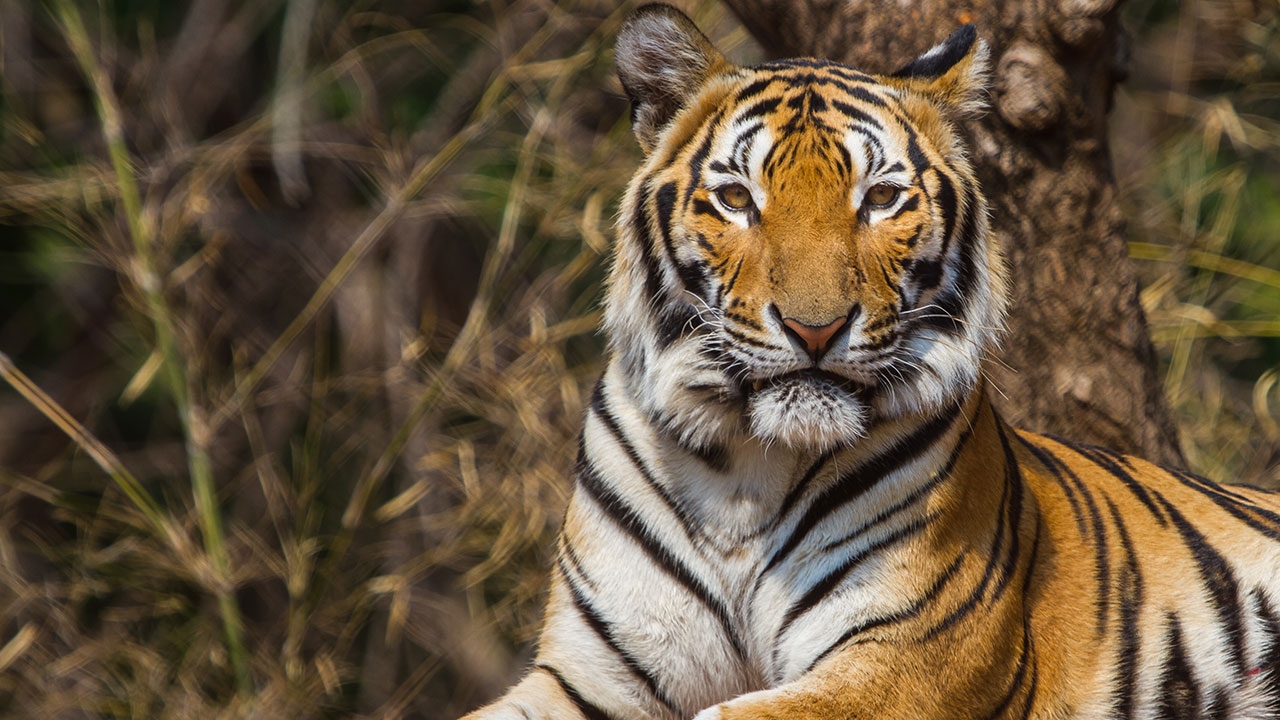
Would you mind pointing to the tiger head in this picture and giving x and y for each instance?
(805, 249)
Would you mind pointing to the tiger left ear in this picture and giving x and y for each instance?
(662, 59)
(953, 71)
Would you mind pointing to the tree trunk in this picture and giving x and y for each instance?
(1077, 360)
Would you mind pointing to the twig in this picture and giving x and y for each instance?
(195, 429)
(92, 446)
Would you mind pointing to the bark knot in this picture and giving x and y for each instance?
(1030, 87)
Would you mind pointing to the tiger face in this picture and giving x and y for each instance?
(805, 250)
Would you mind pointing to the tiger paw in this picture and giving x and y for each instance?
(746, 709)
(711, 713)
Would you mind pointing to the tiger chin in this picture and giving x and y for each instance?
(793, 498)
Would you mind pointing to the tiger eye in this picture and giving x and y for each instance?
(735, 196)
(882, 194)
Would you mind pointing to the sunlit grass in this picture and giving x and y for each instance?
(1205, 221)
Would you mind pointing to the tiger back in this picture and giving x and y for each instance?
(793, 497)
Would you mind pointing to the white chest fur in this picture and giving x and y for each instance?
(735, 577)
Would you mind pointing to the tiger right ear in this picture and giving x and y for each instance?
(662, 59)
(953, 71)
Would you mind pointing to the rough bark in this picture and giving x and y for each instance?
(1077, 359)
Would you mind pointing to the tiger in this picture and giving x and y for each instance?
(793, 496)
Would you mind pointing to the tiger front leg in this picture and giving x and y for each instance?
(806, 699)
(856, 684)
(933, 680)
(539, 696)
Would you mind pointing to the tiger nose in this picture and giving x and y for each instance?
(816, 339)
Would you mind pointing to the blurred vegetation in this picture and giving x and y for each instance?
(298, 303)
(1196, 141)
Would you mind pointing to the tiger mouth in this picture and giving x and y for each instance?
(811, 377)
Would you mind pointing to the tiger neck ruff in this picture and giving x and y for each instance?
(793, 497)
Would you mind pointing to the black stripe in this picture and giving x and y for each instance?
(1007, 522)
(1218, 579)
(1217, 706)
(791, 63)
(1225, 491)
(948, 206)
(831, 68)
(1179, 694)
(704, 207)
(1260, 519)
(927, 273)
(713, 455)
(674, 322)
(1270, 662)
(911, 611)
(911, 203)
(963, 610)
(743, 320)
(569, 560)
(604, 631)
(1029, 639)
(640, 225)
(889, 282)
(1129, 587)
(600, 408)
(759, 109)
(946, 319)
(700, 156)
(755, 88)
(796, 490)
(823, 587)
(911, 498)
(914, 238)
(771, 158)
(665, 199)
(1057, 469)
(630, 521)
(853, 484)
(1107, 460)
(1031, 692)
(747, 339)
(955, 304)
(845, 159)
(919, 161)
(1014, 480)
(742, 144)
(848, 73)
(857, 115)
(864, 94)
(588, 709)
(1100, 543)
(1024, 661)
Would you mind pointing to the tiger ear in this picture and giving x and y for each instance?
(953, 71)
(662, 59)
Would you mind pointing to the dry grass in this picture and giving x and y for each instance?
(1197, 146)
(301, 299)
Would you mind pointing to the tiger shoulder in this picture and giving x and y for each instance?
(793, 496)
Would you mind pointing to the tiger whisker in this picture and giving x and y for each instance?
(962, 321)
